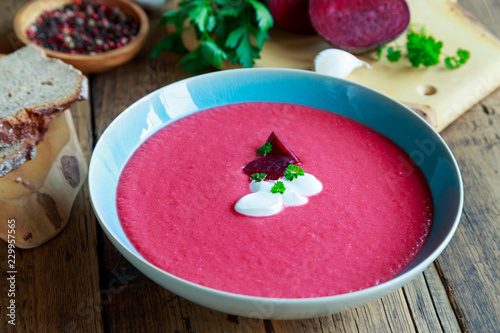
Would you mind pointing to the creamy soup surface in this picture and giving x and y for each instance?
(176, 197)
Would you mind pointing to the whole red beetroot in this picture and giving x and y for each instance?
(359, 26)
(291, 15)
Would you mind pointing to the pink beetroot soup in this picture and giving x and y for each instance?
(176, 195)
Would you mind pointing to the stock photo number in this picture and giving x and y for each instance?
(11, 271)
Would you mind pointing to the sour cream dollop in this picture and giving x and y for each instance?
(262, 202)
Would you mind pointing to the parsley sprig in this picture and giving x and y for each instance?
(293, 171)
(264, 149)
(459, 60)
(425, 50)
(225, 29)
(258, 177)
(278, 187)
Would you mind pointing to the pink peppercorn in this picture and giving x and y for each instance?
(76, 28)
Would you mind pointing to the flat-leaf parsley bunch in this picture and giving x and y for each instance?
(226, 29)
(425, 50)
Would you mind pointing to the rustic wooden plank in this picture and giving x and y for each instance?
(371, 318)
(322, 324)
(133, 303)
(444, 309)
(397, 311)
(201, 319)
(345, 322)
(470, 263)
(421, 306)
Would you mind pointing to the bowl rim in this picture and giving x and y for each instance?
(392, 284)
(138, 41)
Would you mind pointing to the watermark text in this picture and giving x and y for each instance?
(11, 271)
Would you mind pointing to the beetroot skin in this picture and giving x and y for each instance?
(291, 15)
(359, 26)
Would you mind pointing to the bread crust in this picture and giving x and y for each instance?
(25, 152)
(32, 121)
(16, 128)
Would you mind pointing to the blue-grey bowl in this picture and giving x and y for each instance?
(383, 114)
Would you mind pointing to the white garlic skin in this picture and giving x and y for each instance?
(337, 63)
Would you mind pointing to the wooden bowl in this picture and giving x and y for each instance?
(87, 63)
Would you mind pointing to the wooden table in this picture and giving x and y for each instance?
(78, 282)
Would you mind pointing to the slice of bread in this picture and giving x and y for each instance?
(32, 87)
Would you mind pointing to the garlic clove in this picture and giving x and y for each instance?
(337, 63)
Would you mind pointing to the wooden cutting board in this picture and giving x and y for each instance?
(39, 194)
(438, 94)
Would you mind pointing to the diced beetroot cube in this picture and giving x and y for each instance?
(279, 147)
